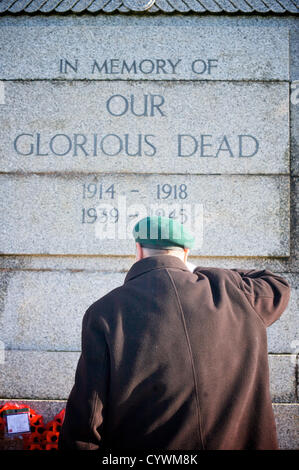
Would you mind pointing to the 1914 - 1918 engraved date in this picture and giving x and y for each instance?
(98, 192)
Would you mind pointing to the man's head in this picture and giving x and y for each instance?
(145, 252)
(162, 236)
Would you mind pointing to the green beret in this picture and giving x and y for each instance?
(162, 232)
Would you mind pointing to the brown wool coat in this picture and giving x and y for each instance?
(177, 360)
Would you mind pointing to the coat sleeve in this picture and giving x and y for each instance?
(268, 293)
(83, 424)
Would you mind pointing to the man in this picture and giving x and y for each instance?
(176, 359)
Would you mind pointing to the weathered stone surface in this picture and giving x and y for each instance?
(287, 416)
(37, 374)
(31, 317)
(283, 335)
(230, 215)
(44, 310)
(137, 127)
(33, 48)
(50, 375)
(294, 126)
(283, 386)
(294, 199)
(294, 52)
(294, 114)
(294, 101)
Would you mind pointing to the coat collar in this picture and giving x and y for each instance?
(154, 262)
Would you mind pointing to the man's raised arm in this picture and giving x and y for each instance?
(267, 292)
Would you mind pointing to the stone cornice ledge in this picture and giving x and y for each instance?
(150, 6)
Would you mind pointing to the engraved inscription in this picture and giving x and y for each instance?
(144, 66)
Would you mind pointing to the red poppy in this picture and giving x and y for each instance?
(35, 447)
(52, 437)
(51, 446)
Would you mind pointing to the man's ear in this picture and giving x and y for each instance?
(186, 253)
(139, 251)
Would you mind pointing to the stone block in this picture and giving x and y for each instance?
(283, 386)
(114, 47)
(294, 206)
(287, 420)
(137, 127)
(294, 52)
(294, 127)
(31, 317)
(50, 375)
(37, 374)
(44, 310)
(229, 215)
(286, 416)
(283, 335)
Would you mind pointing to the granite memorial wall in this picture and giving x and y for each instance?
(107, 118)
